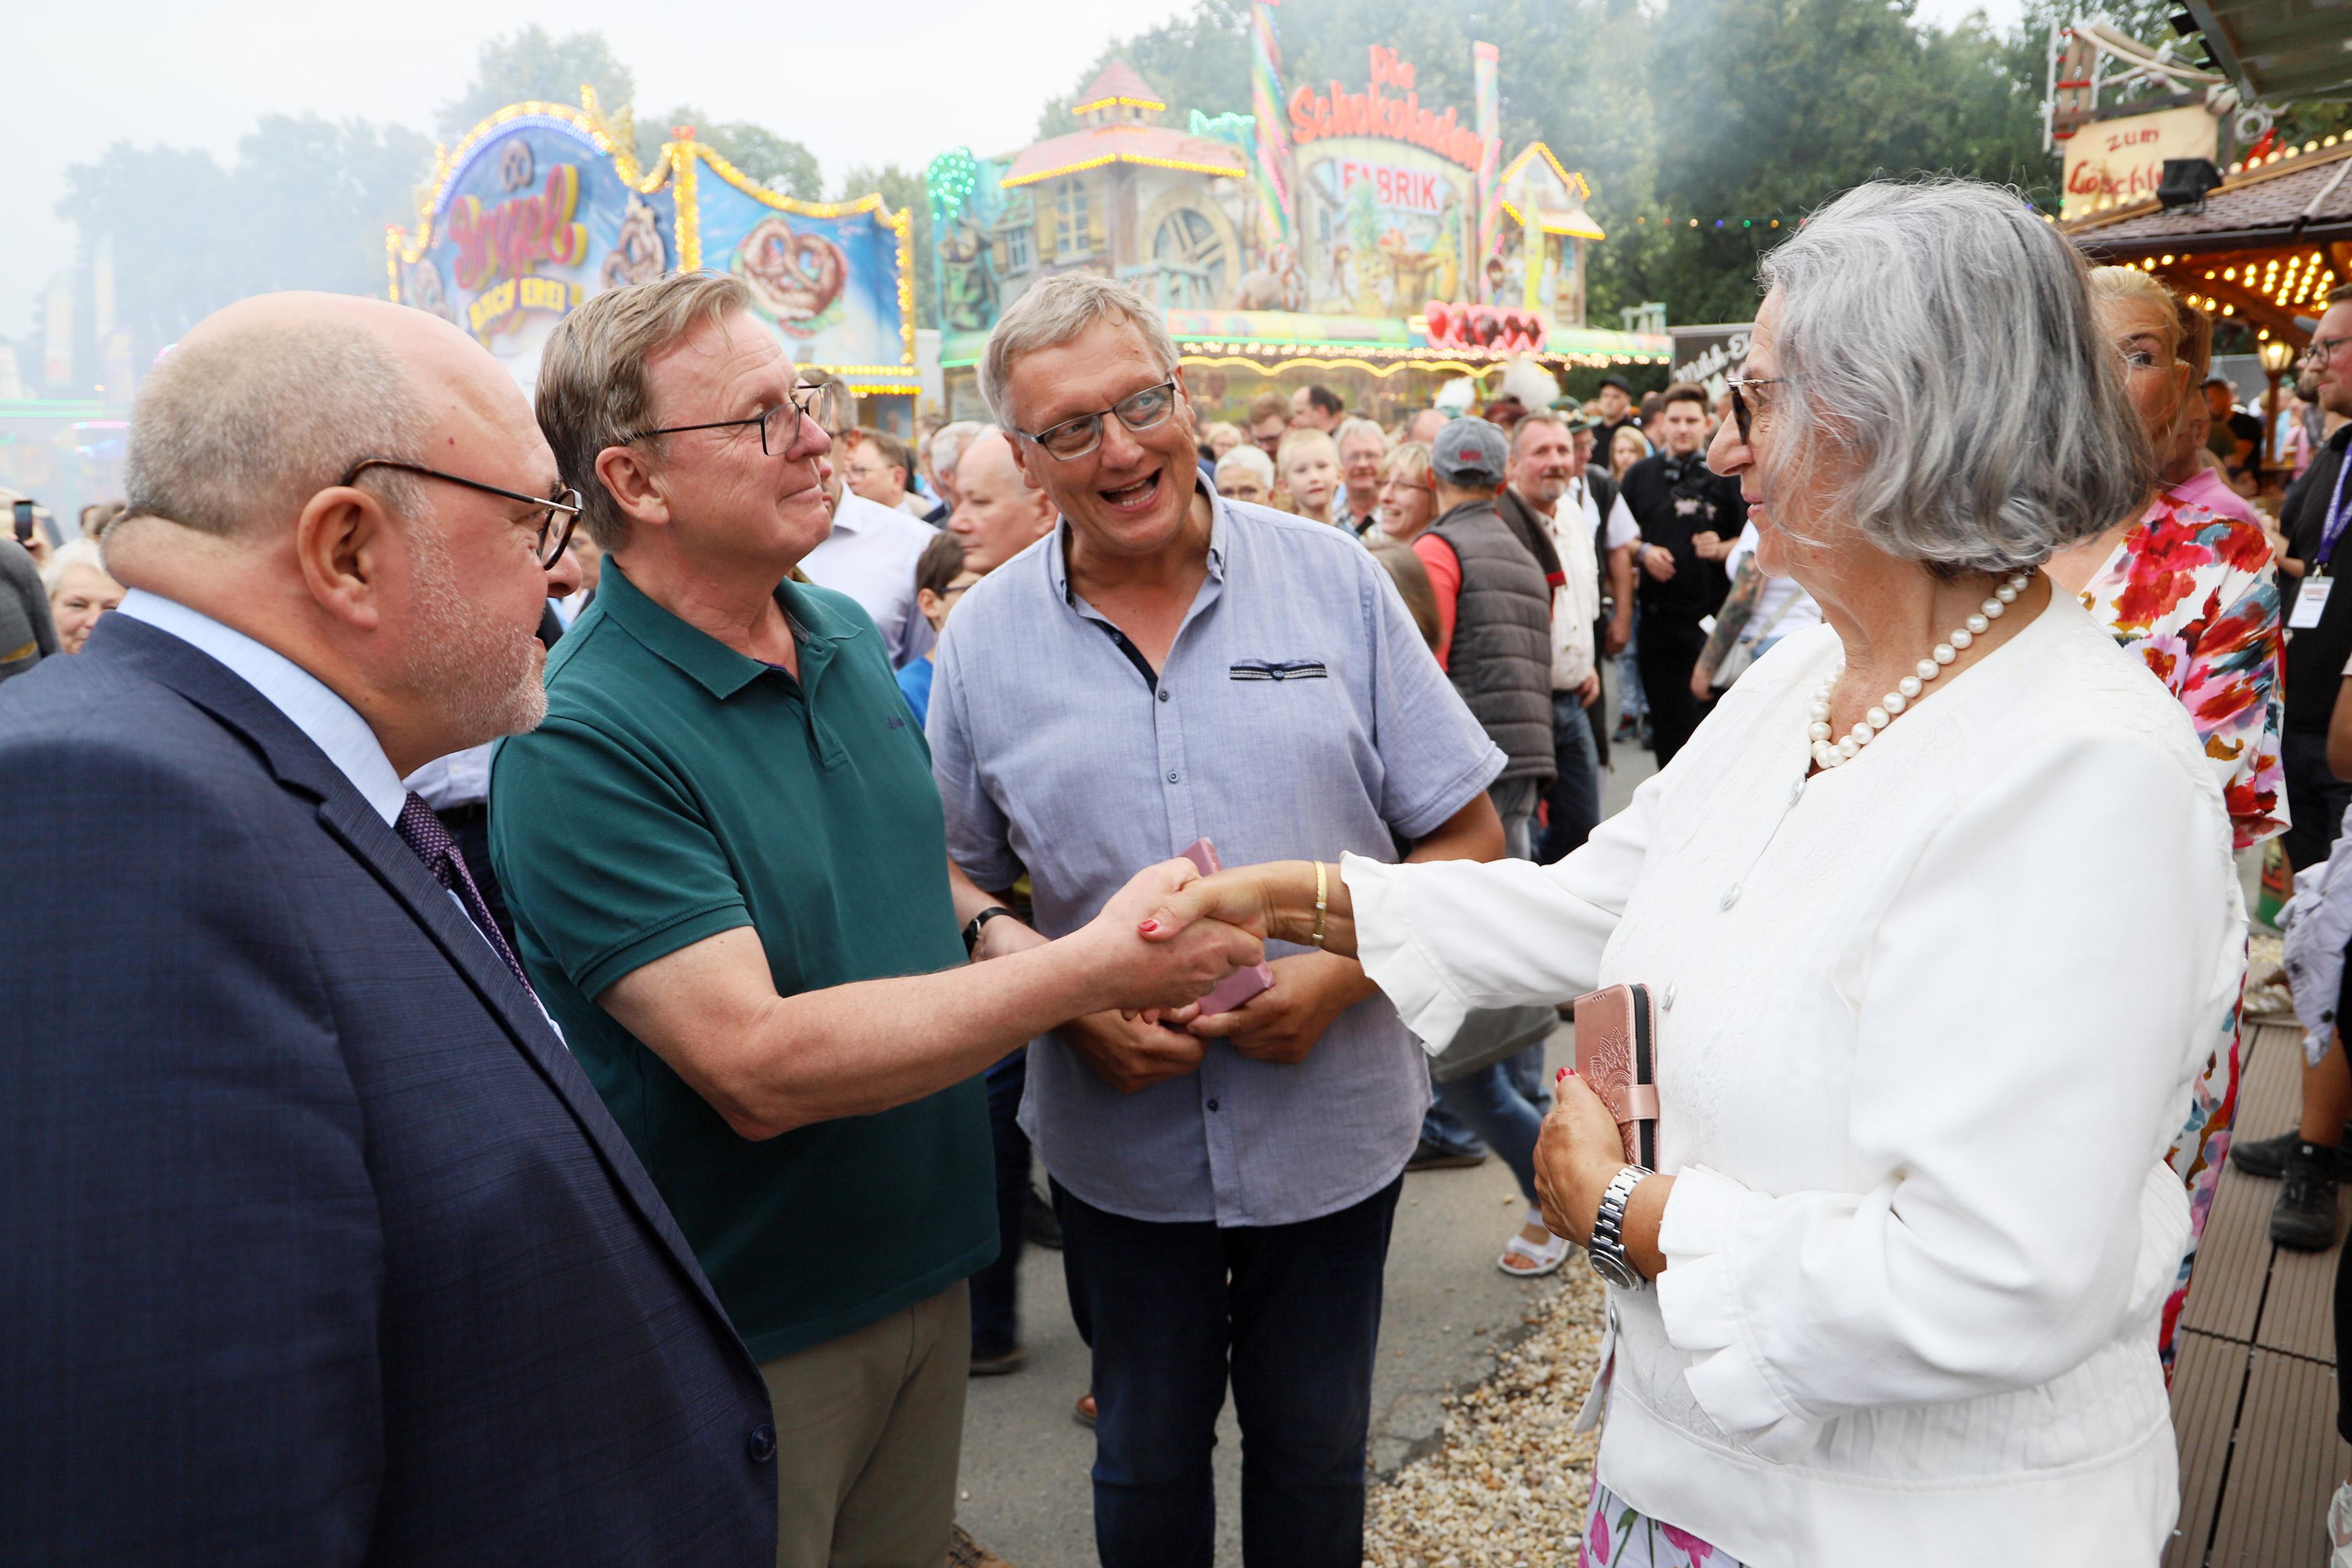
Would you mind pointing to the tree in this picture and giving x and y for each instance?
(534, 64)
(777, 163)
(304, 207)
(902, 188)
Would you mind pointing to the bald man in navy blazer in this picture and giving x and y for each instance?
(316, 1245)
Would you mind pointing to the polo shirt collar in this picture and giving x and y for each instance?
(1058, 560)
(718, 668)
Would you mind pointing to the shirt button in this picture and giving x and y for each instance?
(1212, 1105)
(1674, 988)
(762, 1444)
(1163, 696)
(1172, 778)
(1730, 896)
(1795, 790)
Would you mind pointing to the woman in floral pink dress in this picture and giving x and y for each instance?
(2195, 595)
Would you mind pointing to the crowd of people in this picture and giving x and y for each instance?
(592, 911)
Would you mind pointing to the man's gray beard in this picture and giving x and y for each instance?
(486, 679)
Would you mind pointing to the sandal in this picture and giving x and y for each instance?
(1526, 1260)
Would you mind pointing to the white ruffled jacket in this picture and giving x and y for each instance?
(1929, 1023)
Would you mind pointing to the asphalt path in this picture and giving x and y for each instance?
(1024, 1492)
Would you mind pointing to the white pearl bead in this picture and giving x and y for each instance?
(1942, 653)
(1818, 731)
(2006, 591)
(1862, 731)
(1826, 754)
(1821, 711)
(1894, 702)
(1929, 668)
(1976, 624)
(1848, 747)
(1992, 609)
(1961, 637)
(1877, 717)
(1908, 686)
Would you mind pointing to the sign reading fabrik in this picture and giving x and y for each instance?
(2114, 162)
(499, 247)
(1315, 116)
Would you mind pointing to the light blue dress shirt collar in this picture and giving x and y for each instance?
(333, 725)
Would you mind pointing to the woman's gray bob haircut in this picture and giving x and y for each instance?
(1050, 313)
(1938, 338)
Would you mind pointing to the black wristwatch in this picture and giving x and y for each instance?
(972, 932)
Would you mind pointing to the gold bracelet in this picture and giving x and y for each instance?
(1322, 891)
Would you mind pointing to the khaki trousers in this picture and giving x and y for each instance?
(869, 1428)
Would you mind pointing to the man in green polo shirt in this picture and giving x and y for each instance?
(728, 871)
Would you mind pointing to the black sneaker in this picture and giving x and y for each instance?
(1428, 1156)
(2267, 1157)
(2303, 1219)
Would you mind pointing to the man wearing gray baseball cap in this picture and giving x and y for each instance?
(1493, 617)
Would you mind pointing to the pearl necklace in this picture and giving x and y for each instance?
(1829, 753)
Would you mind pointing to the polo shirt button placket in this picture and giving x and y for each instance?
(762, 1445)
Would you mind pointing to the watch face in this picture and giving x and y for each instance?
(1615, 1270)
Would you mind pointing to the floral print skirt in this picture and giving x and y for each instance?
(1619, 1535)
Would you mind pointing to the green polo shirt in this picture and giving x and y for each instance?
(679, 789)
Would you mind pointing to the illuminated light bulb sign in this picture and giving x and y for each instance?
(1315, 116)
(499, 247)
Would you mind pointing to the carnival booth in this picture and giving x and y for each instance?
(1359, 237)
(543, 204)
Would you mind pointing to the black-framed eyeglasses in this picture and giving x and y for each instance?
(1742, 415)
(2322, 350)
(815, 401)
(1075, 437)
(555, 518)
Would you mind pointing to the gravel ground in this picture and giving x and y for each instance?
(1507, 1483)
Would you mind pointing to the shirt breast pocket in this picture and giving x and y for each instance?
(1279, 670)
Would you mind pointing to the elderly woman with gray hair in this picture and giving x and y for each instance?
(1892, 1292)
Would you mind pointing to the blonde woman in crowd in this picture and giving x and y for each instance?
(1308, 467)
(1627, 447)
(79, 591)
(1244, 473)
(1408, 493)
(1220, 438)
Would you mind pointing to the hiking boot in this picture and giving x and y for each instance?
(2267, 1157)
(2303, 1219)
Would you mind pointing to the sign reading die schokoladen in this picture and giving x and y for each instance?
(542, 207)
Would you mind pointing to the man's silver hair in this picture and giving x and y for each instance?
(240, 429)
(1347, 430)
(1938, 342)
(948, 441)
(1053, 313)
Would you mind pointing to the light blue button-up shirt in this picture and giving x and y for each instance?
(1299, 715)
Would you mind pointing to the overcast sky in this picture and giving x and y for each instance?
(868, 81)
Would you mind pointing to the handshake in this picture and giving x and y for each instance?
(1170, 937)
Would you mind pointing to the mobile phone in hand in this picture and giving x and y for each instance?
(24, 521)
(1243, 984)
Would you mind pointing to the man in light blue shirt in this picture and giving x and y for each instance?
(1167, 665)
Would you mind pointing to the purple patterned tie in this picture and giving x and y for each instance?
(422, 831)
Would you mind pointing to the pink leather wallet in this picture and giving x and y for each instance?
(1617, 1054)
(1243, 984)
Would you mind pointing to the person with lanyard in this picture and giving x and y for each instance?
(2314, 516)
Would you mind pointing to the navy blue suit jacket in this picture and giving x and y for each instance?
(316, 1247)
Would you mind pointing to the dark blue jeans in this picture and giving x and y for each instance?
(1574, 798)
(1296, 1312)
(995, 1314)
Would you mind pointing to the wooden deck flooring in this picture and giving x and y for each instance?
(2254, 1393)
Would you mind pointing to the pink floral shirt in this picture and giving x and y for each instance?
(2195, 596)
